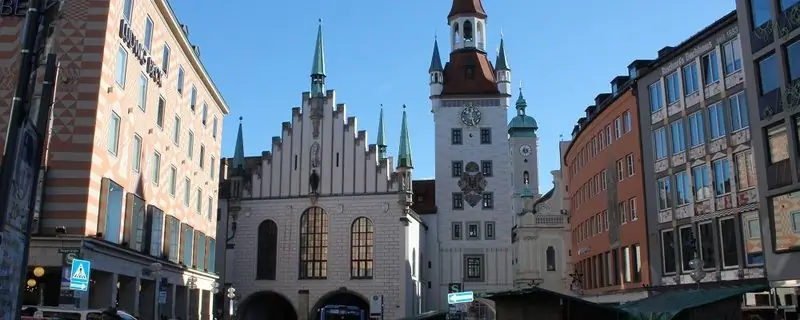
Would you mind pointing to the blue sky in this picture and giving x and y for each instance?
(378, 52)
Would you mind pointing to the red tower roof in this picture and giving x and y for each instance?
(467, 7)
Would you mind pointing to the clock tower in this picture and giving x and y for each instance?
(470, 97)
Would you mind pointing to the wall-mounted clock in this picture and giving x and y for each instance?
(525, 150)
(470, 116)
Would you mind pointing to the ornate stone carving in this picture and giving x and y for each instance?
(658, 116)
(747, 197)
(765, 32)
(718, 145)
(678, 159)
(314, 155)
(472, 183)
(313, 182)
(661, 165)
(702, 207)
(665, 216)
(740, 137)
(316, 116)
(697, 152)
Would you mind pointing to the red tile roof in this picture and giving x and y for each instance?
(467, 7)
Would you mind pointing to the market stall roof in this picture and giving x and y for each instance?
(429, 315)
(669, 304)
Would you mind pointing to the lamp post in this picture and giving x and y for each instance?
(230, 293)
(214, 291)
(696, 264)
(38, 272)
(155, 268)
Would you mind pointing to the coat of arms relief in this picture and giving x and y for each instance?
(472, 183)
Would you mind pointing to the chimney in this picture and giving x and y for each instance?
(185, 30)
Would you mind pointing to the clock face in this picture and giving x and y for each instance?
(525, 150)
(470, 116)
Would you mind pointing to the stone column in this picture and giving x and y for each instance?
(146, 301)
(103, 292)
(181, 302)
(302, 305)
(129, 295)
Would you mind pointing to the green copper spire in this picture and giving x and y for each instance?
(436, 60)
(318, 68)
(381, 137)
(237, 165)
(502, 62)
(404, 154)
(521, 103)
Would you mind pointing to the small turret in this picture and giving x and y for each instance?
(318, 66)
(237, 164)
(502, 71)
(404, 165)
(381, 142)
(436, 71)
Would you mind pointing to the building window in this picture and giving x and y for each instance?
(768, 79)
(778, 141)
(212, 165)
(486, 136)
(738, 107)
(690, 82)
(631, 169)
(673, 88)
(710, 68)
(199, 251)
(623, 214)
(190, 146)
(760, 12)
(187, 187)
(122, 66)
(209, 207)
(683, 187)
(656, 96)
(361, 248)
(786, 4)
(155, 174)
(458, 201)
(678, 136)
(620, 170)
(205, 113)
(550, 256)
(618, 127)
(455, 136)
(458, 168)
(696, 129)
(212, 255)
(113, 133)
(486, 168)
(687, 248)
(187, 245)
(173, 238)
(793, 59)
(745, 170)
(668, 251)
(456, 229)
(664, 194)
(136, 154)
(148, 34)
(127, 10)
(162, 108)
(732, 53)
(133, 233)
(165, 59)
(727, 233)
(473, 231)
(702, 182)
(314, 244)
(489, 230)
(156, 237)
(473, 268)
(627, 275)
(706, 241)
(716, 119)
(754, 254)
(173, 178)
(632, 209)
(181, 80)
(488, 200)
(609, 140)
(198, 203)
(627, 122)
(176, 131)
(526, 178)
(142, 92)
(202, 156)
(214, 127)
(722, 176)
(660, 142)
(193, 98)
(785, 221)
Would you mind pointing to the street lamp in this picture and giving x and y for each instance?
(231, 294)
(696, 264)
(156, 268)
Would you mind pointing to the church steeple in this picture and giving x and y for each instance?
(404, 154)
(237, 164)
(436, 71)
(381, 142)
(501, 70)
(318, 67)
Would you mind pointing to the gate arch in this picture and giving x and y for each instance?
(267, 305)
(341, 296)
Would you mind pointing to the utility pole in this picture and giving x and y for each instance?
(22, 152)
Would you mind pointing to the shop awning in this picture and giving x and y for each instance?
(669, 304)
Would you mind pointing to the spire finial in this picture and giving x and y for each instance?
(319, 20)
(404, 154)
(240, 119)
(318, 65)
(520, 86)
(561, 137)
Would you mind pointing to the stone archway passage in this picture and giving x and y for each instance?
(339, 300)
(267, 305)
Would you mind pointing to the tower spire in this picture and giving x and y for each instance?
(381, 137)
(318, 66)
(238, 153)
(521, 103)
(502, 62)
(436, 59)
(404, 154)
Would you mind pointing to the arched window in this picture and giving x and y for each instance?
(456, 32)
(526, 178)
(314, 244)
(267, 255)
(467, 30)
(362, 243)
(551, 259)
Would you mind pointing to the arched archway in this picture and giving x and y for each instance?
(267, 305)
(340, 297)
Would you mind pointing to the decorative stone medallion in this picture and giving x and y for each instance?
(472, 183)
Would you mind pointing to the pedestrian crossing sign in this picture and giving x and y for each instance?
(80, 274)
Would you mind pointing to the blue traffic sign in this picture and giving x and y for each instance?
(79, 275)
(460, 297)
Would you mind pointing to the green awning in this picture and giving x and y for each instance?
(430, 315)
(667, 305)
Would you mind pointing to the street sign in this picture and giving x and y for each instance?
(162, 296)
(79, 275)
(460, 297)
(23, 178)
(453, 287)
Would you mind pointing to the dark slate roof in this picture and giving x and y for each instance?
(669, 304)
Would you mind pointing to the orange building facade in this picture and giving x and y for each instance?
(131, 168)
(604, 183)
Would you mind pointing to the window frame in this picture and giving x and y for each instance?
(456, 230)
(456, 168)
(721, 236)
(362, 249)
(457, 201)
(456, 136)
(485, 135)
(314, 222)
(477, 226)
(121, 67)
(657, 102)
(489, 230)
(474, 260)
(487, 203)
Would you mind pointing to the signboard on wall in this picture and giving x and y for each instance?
(13, 8)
